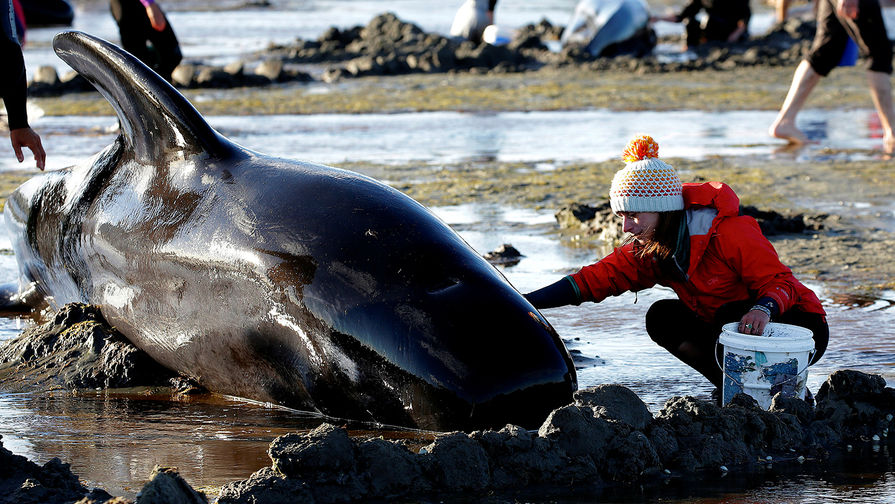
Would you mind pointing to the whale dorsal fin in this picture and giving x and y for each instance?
(156, 120)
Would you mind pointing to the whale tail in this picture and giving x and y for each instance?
(156, 120)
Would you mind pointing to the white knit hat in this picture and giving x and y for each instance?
(645, 184)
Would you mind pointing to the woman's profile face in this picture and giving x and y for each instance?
(640, 224)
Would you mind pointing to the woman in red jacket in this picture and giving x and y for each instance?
(690, 237)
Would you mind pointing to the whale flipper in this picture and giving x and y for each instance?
(175, 127)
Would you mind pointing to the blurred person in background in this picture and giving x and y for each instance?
(146, 33)
(14, 89)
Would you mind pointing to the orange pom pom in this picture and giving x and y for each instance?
(639, 148)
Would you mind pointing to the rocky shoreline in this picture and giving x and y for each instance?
(607, 438)
(388, 46)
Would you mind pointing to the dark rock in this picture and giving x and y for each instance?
(213, 77)
(663, 441)
(520, 457)
(744, 401)
(166, 486)
(235, 68)
(577, 431)
(24, 482)
(615, 402)
(506, 255)
(325, 450)
(629, 457)
(855, 405)
(772, 223)
(266, 486)
(599, 221)
(324, 458)
(588, 445)
(46, 74)
(794, 406)
(184, 75)
(390, 469)
(76, 350)
(458, 462)
(272, 69)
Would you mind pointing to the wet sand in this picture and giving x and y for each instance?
(566, 88)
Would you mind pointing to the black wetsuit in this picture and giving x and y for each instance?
(13, 84)
(158, 50)
(723, 18)
(833, 31)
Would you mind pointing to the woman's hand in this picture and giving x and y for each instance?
(27, 137)
(754, 322)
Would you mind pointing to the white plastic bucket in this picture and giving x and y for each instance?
(761, 366)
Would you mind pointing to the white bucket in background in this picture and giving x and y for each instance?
(762, 366)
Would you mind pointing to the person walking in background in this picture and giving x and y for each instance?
(726, 21)
(14, 89)
(837, 20)
(472, 18)
(691, 238)
(146, 33)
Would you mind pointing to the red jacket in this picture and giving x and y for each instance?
(730, 260)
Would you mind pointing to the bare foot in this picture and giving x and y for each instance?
(787, 131)
(889, 144)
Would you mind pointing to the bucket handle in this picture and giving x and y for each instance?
(721, 366)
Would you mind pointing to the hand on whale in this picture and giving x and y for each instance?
(276, 280)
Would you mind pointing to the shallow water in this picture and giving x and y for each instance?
(114, 440)
(445, 137)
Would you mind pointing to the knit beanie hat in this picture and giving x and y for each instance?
(645, 184)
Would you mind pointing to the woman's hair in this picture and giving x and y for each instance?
(664, 240)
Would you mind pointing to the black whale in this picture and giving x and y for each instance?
(276, 280)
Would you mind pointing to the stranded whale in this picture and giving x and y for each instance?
(276, 280)
(610, 27)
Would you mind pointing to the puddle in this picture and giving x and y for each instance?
(448, 137)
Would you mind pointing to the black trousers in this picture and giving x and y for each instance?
(716, 29)
(868, 31)
(672, 325)
(160, 51)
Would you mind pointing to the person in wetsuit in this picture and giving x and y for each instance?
(726, 21)
(14, 89)
(146, 33)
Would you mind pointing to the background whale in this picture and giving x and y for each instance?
(275, 280)
(610, 27)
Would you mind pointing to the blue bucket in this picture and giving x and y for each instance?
(850, 54)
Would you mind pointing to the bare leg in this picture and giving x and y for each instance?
(781, 10)
(803, 83)
(881, 92)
